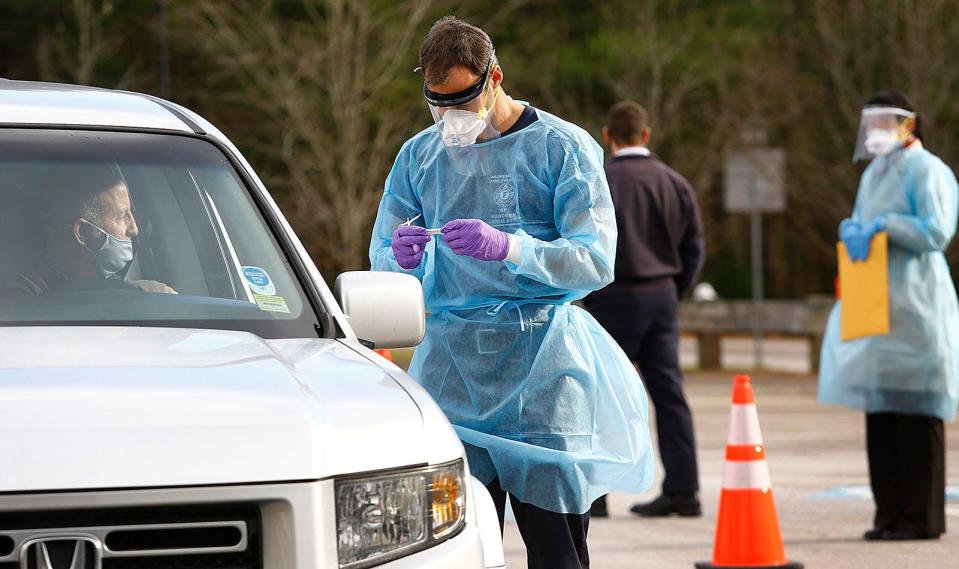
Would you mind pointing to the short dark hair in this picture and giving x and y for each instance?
(627, 121)
(899, 100)
(451, 42)
(75, 192)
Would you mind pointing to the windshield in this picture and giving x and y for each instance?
(137, 229)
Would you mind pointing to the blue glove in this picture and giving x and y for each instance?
(858, 238)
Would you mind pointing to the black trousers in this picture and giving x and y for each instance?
(646, 326)
(553, 541)
(907, 469)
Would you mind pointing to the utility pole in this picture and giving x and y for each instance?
(163, 50)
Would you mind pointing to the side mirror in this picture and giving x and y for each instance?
(384, 309)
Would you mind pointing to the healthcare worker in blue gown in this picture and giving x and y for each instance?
(549, 408)
(907, 381)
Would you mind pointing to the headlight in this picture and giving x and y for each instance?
(382, 517)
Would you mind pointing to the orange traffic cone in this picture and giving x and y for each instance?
(747, 531)
(385, 354)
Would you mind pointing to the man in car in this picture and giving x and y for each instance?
(88, 231)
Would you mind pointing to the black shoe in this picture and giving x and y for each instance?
(873, 534)
(598, 509)
(905, 535)
(668, 504)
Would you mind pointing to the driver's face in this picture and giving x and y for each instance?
(117, 219)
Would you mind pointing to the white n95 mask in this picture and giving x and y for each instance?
(882, 141)
(462, 128)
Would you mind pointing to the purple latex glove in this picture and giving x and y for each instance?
(474, 238)
(409, 244)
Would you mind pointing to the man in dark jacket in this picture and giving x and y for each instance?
(658, 257)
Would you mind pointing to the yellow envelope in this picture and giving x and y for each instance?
(864, 290)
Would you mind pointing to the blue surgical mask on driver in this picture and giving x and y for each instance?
(114, 255)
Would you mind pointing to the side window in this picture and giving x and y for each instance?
(138, 228)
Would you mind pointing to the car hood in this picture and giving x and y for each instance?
(110, 407)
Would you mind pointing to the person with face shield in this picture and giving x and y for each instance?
(907, 381)
(90, 231)
(550, 410)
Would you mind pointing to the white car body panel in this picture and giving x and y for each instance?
(117, 403)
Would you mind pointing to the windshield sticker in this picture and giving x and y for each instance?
(269, 303)
(258, 281)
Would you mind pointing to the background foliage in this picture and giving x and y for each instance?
(319, 94)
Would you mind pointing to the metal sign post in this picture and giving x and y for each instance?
(754, 184)
(756, 247)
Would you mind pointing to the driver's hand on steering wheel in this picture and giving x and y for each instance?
(153, 286)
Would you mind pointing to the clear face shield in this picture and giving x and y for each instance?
(464, 119)
(882, 130)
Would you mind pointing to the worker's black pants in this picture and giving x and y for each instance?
(646, 326)
(553, 541)
(907, 468)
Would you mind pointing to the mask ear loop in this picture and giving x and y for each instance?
(76, 236)
(484, 110)
(98, 228)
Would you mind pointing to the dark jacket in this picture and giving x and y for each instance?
(660, 227)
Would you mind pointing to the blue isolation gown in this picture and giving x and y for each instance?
(913, 369)
(541, 396)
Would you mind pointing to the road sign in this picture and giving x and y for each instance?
(754, 184)
(754, 181)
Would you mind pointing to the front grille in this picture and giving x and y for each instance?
(213, 536)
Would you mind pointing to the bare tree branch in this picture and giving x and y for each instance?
(323, 83)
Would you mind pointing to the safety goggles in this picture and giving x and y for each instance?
(446, 100)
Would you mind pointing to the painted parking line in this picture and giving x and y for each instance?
(863, 492)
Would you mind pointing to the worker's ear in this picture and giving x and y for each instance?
(647, 132)
(87, 236)
(497, 75)
(907, 127)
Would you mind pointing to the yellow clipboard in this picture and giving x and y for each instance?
(864, 291)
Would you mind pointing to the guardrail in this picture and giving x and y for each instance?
(710, 321)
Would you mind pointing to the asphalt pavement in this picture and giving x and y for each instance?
(817, 461)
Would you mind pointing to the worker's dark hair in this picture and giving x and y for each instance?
(626, 123)
(899, 100)
(451, 42)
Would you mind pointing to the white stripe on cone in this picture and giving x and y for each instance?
(744, 425)
(746, 475)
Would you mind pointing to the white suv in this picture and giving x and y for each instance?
(242, 422)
